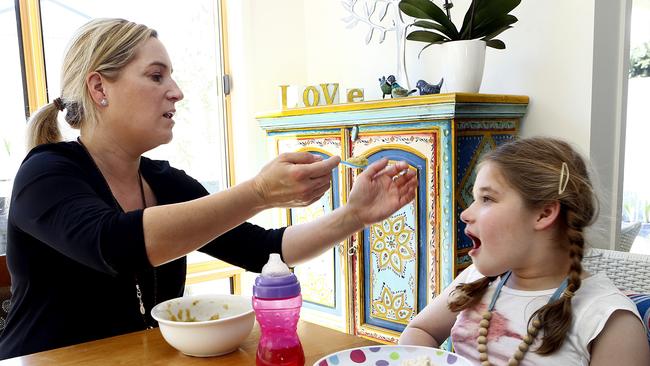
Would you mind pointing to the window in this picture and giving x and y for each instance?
(636, 193)
(191, 34)
(12, 123)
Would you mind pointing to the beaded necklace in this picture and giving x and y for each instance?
(533, 330)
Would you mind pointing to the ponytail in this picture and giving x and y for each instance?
(43, 127)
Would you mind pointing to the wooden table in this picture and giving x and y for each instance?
(148, 347)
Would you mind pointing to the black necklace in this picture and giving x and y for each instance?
(138, 291)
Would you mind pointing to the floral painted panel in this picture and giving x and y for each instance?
(398, 256)
(393, 254)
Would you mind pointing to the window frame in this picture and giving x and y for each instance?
(611, 58)
(32, 57)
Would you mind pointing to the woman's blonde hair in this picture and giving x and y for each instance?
(544, 170)
(101, 45)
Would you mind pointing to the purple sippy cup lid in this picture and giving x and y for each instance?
(283, 287)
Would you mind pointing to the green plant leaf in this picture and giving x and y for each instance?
(427, 46)
(494, 8)
(495, 33)
(414, 9)
(486, 11)
(426, 36)
(464, 29)
(426, 24)
(489, 10)
(493, 25)
(495, 43)
(482, 21)
(431, 25)
(425, 9)
(640, 61)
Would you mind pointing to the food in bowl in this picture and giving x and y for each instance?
(185, 315)
(205, 325)
(420, 361)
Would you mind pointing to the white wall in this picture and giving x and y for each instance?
(549, 57)
(266, 41)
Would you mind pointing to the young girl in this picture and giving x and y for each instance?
(526, 299)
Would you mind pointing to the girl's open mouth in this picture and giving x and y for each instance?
(476, 242)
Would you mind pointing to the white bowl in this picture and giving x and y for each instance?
(205, 325)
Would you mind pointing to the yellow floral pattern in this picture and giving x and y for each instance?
(392, 306)
(317, 278)
(390, 244)
(311, 212)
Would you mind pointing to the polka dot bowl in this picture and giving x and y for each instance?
(392, 356)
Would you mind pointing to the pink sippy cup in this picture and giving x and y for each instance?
(277, 302)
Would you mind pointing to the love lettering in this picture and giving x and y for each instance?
(312, 95)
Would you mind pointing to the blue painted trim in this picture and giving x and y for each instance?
(398, 114)
(420, 164)
(338, 293)
(404, 126)
(446, 245)
(322, 131)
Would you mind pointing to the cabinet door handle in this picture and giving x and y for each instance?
(352, 250)
(354, 133)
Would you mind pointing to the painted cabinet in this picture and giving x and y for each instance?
(374, 282)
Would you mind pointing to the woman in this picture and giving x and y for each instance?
(97, 233)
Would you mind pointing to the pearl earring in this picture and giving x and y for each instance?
(103, 102)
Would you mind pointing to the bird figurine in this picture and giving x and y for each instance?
(398, 92)
(385, 86)
(426, 88)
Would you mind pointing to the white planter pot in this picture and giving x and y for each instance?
(463, 67)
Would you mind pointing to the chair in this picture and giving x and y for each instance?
(628, 271)
(628, 234)
(5, 291)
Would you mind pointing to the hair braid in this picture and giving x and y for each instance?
(556, 317)
(467, 295)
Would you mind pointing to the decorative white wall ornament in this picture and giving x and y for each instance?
(373, 13)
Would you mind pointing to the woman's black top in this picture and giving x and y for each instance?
(75, 257)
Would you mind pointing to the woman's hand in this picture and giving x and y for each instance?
(381, 190)
(294, 179)
(377, 192)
